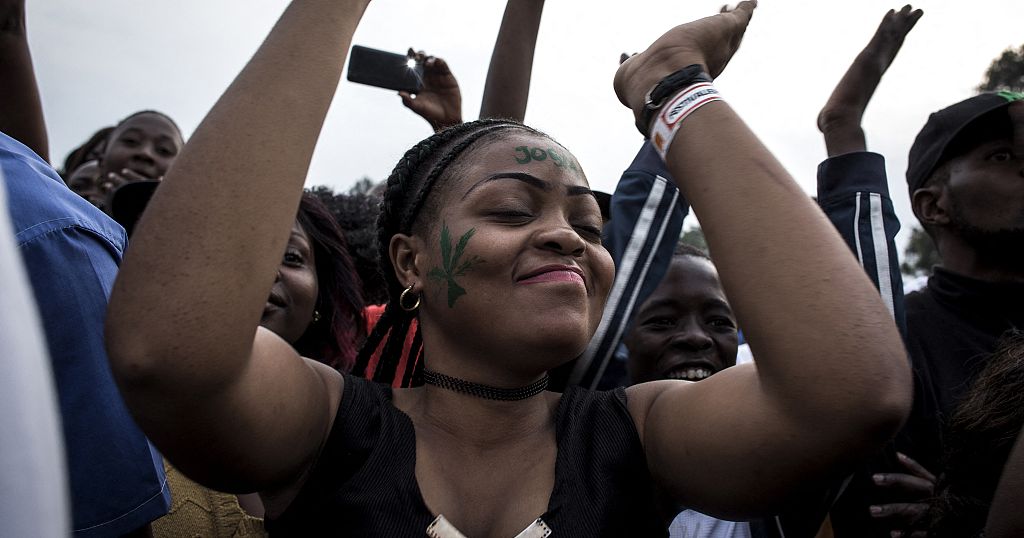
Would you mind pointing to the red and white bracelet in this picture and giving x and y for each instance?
(672, 114)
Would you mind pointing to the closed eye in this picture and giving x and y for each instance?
(592, 233)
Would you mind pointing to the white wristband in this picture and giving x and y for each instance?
(671, 116)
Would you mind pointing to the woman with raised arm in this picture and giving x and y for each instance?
(491, 237)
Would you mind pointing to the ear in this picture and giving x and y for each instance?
(931, 205)
(407, 255)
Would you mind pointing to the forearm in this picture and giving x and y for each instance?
(824, 342)
(203, 258)
(508, 78)
(1004, 516)
(21, 111)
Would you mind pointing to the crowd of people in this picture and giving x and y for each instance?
(482, 345)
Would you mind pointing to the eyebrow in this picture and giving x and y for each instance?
(531, 180)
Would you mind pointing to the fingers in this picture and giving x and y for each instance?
(408, 100)
(132, 175)
(909, 484)
(899, 514)
(915, 467)
(908, 534)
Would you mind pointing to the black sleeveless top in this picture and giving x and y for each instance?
(364, 483)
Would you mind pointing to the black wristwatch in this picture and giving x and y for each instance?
(666, 88)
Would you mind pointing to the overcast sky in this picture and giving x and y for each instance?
(99, 60)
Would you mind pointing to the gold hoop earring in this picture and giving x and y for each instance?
(316, 316)
(401, 300)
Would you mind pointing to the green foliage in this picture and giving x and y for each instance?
(695, 238)
(1006, 72)
(920, 254)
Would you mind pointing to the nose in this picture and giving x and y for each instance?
(562, 239)
(147, 153)
(691, 337)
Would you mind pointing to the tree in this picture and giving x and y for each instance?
(920, 254)
(1006, 72)
(695, 238)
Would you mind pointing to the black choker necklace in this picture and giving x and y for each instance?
(484, 391)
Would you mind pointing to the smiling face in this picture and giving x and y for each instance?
(685, 329)
(146, 144)
(511, 257)
(289, 308)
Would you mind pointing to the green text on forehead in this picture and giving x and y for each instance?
(526, 154)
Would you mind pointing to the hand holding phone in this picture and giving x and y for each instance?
(385, 69)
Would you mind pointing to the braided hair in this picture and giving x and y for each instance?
(408, 191)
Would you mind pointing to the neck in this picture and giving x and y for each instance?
(484, 424)
(989, 265)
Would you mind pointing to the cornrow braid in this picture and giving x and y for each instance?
(407, 190)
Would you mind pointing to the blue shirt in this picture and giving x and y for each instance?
(71, 251)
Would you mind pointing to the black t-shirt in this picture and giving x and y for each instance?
(364, 483)
(952, 327)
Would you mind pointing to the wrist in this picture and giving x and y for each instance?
(666, 89)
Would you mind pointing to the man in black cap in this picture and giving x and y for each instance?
(966, 185)
(966, 181)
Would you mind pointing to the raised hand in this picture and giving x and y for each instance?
(710, 41)
(840, 119)
(440, 101)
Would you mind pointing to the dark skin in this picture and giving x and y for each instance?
(685, 329)
(982, 191)
(21, 110)
(840, 123)
(83, 182)
(1005, 518)
(142, 147)
(508, 77)
(840, 119)
(260, 413)
(439, 101)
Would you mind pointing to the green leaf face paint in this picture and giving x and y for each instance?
(454, 265)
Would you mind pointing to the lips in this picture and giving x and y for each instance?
(553, 273)
(276, 300)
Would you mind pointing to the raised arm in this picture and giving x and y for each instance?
(21, 111)
(508, 77)
(232, 405)
(840, 119)
(832, 382)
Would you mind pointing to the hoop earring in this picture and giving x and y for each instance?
(401, 300)
(316, 316)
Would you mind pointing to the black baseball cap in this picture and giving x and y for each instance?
(939, 137)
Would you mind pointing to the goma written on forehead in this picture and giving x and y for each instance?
(442, 187)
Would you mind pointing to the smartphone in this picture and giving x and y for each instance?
(384, 69)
